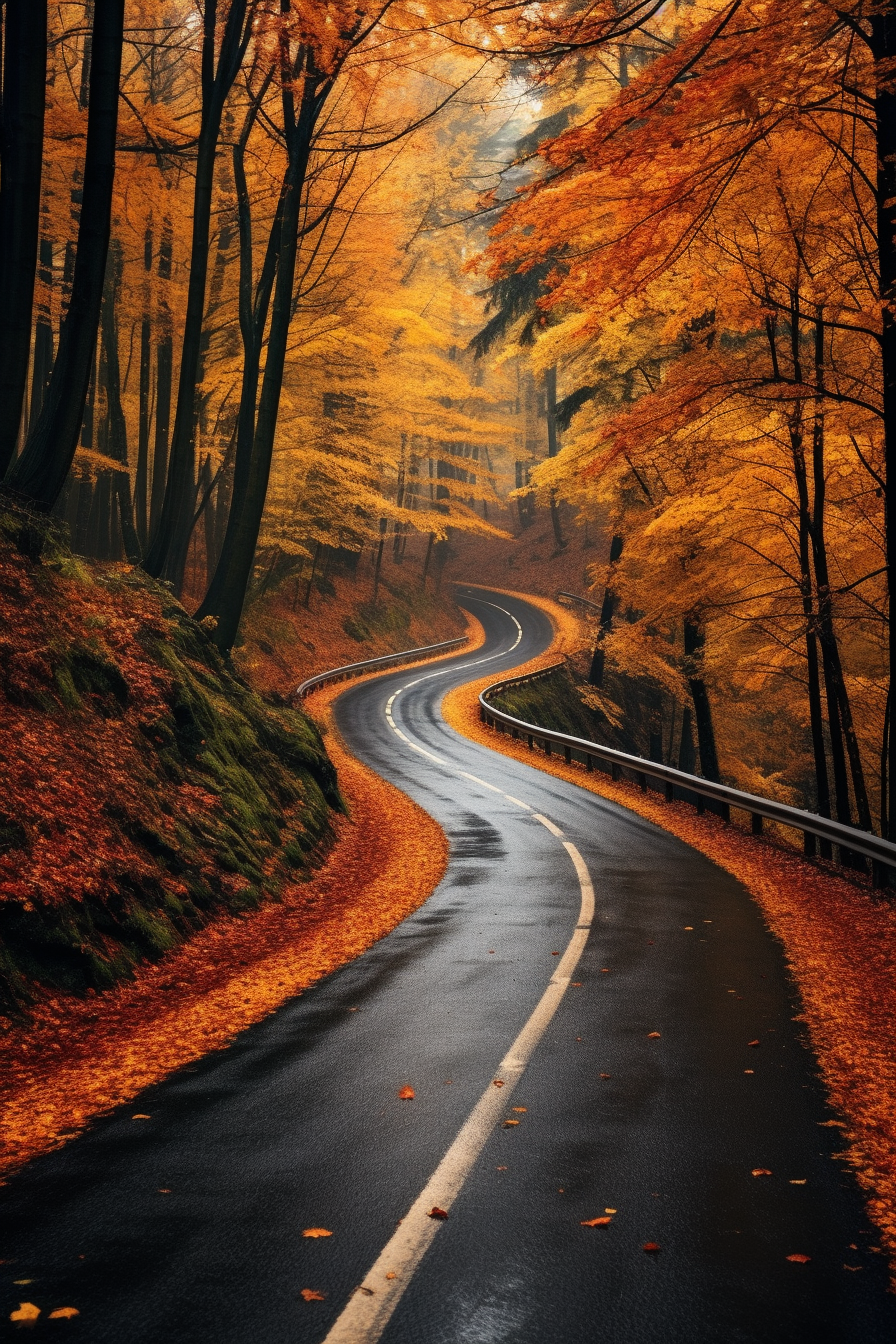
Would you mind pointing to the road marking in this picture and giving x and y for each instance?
(554, 830)
(370, 1308)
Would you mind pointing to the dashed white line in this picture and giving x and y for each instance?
(370, 1308)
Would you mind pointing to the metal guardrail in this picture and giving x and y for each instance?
(585, 601)
(371, 664)
(848, 839)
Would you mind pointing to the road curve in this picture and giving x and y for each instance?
(633, 1088)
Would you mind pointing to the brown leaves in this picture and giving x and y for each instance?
(596, 1222)
(437, 1213)
(406, 1093)
(316, 1232)
(760, 1171)
(752, 1042)
(312, 1295)
(63, 1313)
(141, 1117)
(799, 1259)
(497, 1082)
(508, 1124)
(653, 1036)
(651, 1247)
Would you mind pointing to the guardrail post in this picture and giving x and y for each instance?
(701, 804)
(725, 812)
(547, 746)
(589, 764)
(614, 770)
(530, 741)
(880, 875)
(670, 792)
(756, 820)
(514, 733)
(481, 714)
(809, 845)
(641, 780)
(567, 755)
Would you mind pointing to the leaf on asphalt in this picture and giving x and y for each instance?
(596, 1222)
(500, 1168)
(497, 1082)
(576, 984)
(802, 1182)
(20, 1283)
(508, 1124)
(27, 1314)
(653, 1036)
(520, 1109)
(141, 1117)
(831, 1124)
(316, 1232)
(436, 1212)
(752, 1042)
(651, 1246)
(312, 1295)
(391, 1274)
(163, 1191)
(406, 1093)
(799, 1259)
(606, 1075)
(689, 928)
(760, 1171)
(63, 1314)
(611, 1210)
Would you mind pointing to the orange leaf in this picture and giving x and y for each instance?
(650, 1246)
(800, 1259)
(596, 1222)
(27, 1313)
(752, 1042)
(391, 1274)
(406, 1093)
(521, 1109)
(64, 1313)
(316, 1232)
(311, 1295)
(760, 1171)
(141, 1117)
(497, 1082)
(606, 1075)
(436, 1212)
(509, 1123)
(653, 1036)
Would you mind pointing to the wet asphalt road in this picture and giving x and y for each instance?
(298, 1124)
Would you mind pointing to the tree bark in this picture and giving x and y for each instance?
(706, 737)
(24, 97)
(550, 392)
(608, 607)
(167, 554)
(117, 446)
(39, 473)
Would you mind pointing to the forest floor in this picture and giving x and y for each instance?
(839, 939)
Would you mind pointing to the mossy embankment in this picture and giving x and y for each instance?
(147, 787)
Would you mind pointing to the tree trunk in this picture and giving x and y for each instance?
(141, 480)
(883, 46)
(24, 97)
(167, 554)
(608, 606)
(40, 472)
(117, 446)
(550, 390)
(706, 737)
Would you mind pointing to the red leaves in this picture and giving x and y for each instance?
(439, 1214)
(312, 1295)
(406, 1093)
(653, 1036)
(596, 1222)
(752, 1042)
(798, 1259)
(316, 1232)
(651, 1247)
(760, 1171)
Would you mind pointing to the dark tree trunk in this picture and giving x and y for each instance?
(167, 554)
(117, 445)
(141, 480)
(42, 367)
(164, 359)
(686, 756)
(608, 606)
(883, 46)
(550, 389)
(379, 560)
(706, 738)
(429, 544)
(24, 97)
(39, 473)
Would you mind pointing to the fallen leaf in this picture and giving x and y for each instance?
(852, 1267)
(406, 1093)
(555, 954)
(802, 1182)
(497, 1082)
(799, 1259)
(748, 1070)
(141, 1117)
(611, 1210)
(312, 1295)
(689, 928)
(606, 1075)
(521, 1109)
(653, 1036)
(20, 1283)
(27, 1314)
(501, 1168)
(576, 984)
(596, 1222)
(164, 1192)
(436, 1212)
(605, 970)
(63, 1314)
(650, 1246)
(752, 1042)
(391, 1274)
(831, 1124)
(508, 1124)
(760, 1171)
(316, 1232)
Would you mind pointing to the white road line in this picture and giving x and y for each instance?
(370, 1308)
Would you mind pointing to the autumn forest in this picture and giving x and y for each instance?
(314, 311)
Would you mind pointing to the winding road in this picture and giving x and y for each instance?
(610, 979)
